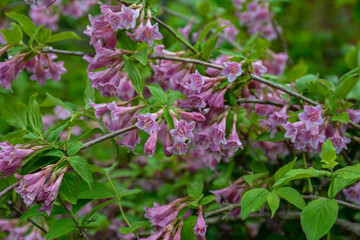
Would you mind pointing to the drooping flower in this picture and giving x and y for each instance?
(311, 116)
(41, 16)
(10, 69)
(195, 116)
(100, 109)
(162, 215)
(147, 123)
(233, 141)
(146, 33)
(150, 144)
(196, 82)
(352, 193)
(200, 226)
(231, 70)
(338, 141)
(125, 19)
(179, 147)
(259, 68)
(11, 157)
(167, 144)
(101, 30)
(183, 130)
(231, 194)
(293, 129)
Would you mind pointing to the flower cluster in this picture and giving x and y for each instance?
(257, 18)
(41, 187)
(11, 157)
(19, 233)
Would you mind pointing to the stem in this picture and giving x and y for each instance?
(11, 205)
(66, 52)
(170, 30)
(82, 231)
(328, 236)
(332, 185)
(311, 189)
(9, 189)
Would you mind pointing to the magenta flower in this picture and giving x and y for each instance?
(43, 17)
(49, 193)
(231, 70)
(354, 115)
(195, 116)
(352, 193)
(231, 194)
(338, 142)
(216, 100)
(217, 132)
(196, 82)
(118, 112)
(259, 68)
(150, 145)
(167, 144)
(146, 34)
(41, 3)
(311, 116)
(233, 141)
(100, 109)
(200, 226)
(179, 147)
(312, 137)
(183, 130)
(125, 19)
(130, 140)
(293, 129)
(101, 30)
(11, 158)
(147, 123)
(162, 215)
(32, 184)
(10, 69)
(178, 232)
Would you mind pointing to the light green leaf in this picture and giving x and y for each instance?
(96, 209)
(195, 188)
(134, 226)
(328, 154)
(142, 56)
(34, 115)
(158, 93)
(342, 117)
(73, 148)
(12, 35)
(273, 201)
(187, 230)
(81, 167)
(318, 218)
(12, 111)
(299, 174)
(208, 199)
(292, 196)
(89, 94)
(62, 36)
(344, 177)
(26, 24)
(134, 74)
(168, 118)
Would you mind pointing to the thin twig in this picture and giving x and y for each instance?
(340, 202)
(66, 52)
(170, 30)
(187, 60)
(108, 136)
(11, 205)
(259, 101)
(83, 233)
(9, 189)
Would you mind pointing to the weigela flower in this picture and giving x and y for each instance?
(10, 69)
(231, 70)
(276, 65)
(200, 226)
(11, 157)
(183, 130)
(40, 16)
(162, 215)
(41, 3)
(338, 141)
(125, 19)
(179, 147)
(147, 123)
(233, 141)
(150, 144)
(196, 82)
(311, 116)
(259, 68)
(146, 33)
(167, 144)
(352, 193)
(101, 30)
(195, 116)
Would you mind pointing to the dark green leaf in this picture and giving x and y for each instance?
(96, 209)
(62, 36)
(158, 93)
(34, 115)
(252, 201)
(187, 230)
(168, 118)
(134, 226)
(13, 111)
(284, 169)
(73, 148)
(342, 117)
(292, 196)
(60, 227)
(142, 56)
(125, 41)
(134, 75)
(54, 134)
(70, 188)
(81, 167)
(33, 211)
(209, 47)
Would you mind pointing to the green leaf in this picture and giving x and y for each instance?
(125, 41)
(70, 188)
(134, 226)
(187, 230)
(96, 209)
(26, 24)
(230, 53)
(185, 42)
(54, 134)
(328, 154)
(158, 93)
(12, 35)
(252, 201)
(98, 191)
(292, 196)
(32, 212)
(209, 47)
(296, 72)
(81, 167)
(134, 74)
(301, 83)
(87, 134)
(128, 192)
(195, 188)
(349, 81)
(73, 148)
(342, 117)
(208, 199)
(142, 56)
(34, 36)
(205, 32)
(13, 111)
(318, 218)
(284, 169)
(34, 115)
(54, 101)
(60, 227)
(62, 36)
(274, 202)
(299, 174)
(250, 178)
(44, 35)
(168, 118)
(89, 94)
(344, 177)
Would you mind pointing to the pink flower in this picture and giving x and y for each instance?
(167, 144)
(130, 140)
(100, 109)
(231, 70)
(259, 68)
(200, 226)
(196, 82)
(233, 141)
(41, 3)
(125, 19)
(147, 123)
(10, 69)
(311, 116)
(338, 142)
(41, 16)
(183, 130)
(146, 34)
(352, 193)
(150, 145)
(195, 116)
(179, 148)
(101, 30)
(11, 158)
